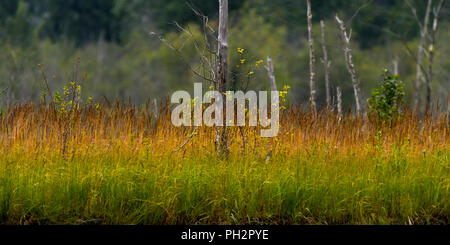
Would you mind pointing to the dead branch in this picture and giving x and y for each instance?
(187, 140)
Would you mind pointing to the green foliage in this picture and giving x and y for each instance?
(19, 28)
(164, 12)
(83, 21)
(69, 102)
(387, 99)
(257, 39)
(128, 63)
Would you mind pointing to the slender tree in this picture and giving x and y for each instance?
(312, 60)
(448, 109)
(222, 72)
(432, 38)
(420, 52)
(339, 101)
(350, 66)
(269, 67)
(395, 65)
(326, 63)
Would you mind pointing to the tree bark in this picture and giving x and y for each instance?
(429, 80)
(222, 72)
(395, 65)
(420, 52)
(269, 67)
(350, 66)
(312, 60)
(448, 109)
(326, 64)
(339, 102)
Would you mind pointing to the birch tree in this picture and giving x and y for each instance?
(431, 49)
(448, 109)
(339, 102)
(395, 66)
(271, 74)
(349, 63)
(312, 60)
(222, 71)
(326, 65)
(420, 52)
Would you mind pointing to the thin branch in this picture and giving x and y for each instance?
(410, 53)
(187, 140)
(357, 12)
(44, 77)
(4, 91)
(414, 12)
(182, 57)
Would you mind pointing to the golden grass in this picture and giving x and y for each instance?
(119, 164)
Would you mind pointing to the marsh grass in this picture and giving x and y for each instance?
(120, 167)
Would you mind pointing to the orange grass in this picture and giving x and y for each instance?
(124, 165)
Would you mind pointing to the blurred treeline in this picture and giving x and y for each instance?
(118, 57)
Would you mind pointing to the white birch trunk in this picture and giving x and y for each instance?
(312, 60)
(271, 73)
(326, 64)
(420, 53)
(350, 66)
(431, 48)
(222, 71)
(395, 64)
(339, 102)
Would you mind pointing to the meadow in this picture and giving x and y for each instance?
(116, 163)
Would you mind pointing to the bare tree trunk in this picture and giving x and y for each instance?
(420, 52)
(222, 72)
(429, 80)
(155, 105)
(339, 102)
(326, 64)
(269, 67)
(312, 60)
(333, 99)
(350, 66)
(395, 64)
(448, 109)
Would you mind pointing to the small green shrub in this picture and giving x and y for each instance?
(387, 99)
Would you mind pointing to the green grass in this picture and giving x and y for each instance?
(314, 188)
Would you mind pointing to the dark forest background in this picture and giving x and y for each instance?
(119, 58)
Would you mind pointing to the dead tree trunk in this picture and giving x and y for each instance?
(312, 60)
(432, 37)
(269, 67)
(395, 65)
(326, 64)
(350, 66)
(448, 109)
(222, 71)
(420, 52)
(155, 106)
(339, 102)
